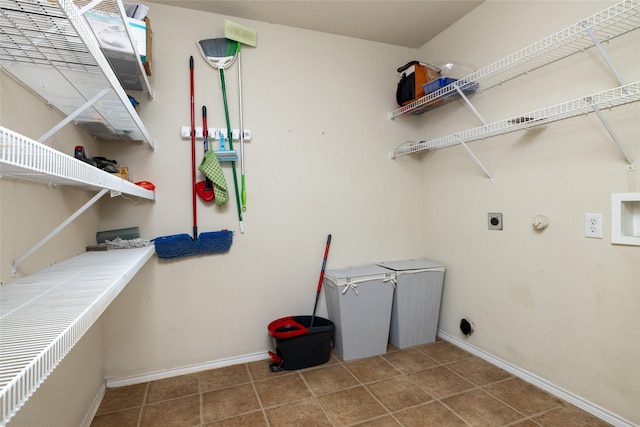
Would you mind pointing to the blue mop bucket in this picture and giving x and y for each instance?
(182, 245)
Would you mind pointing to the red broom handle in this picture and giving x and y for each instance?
(324, 263)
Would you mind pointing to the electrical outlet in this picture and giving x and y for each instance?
(495, 221)
(593, 225)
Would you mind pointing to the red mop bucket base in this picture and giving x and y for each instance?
(299, 344)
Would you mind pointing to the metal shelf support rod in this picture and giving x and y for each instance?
(614, 137)
(23, 258)
(73, 115)
(475, 159)
(461, 93)
(604, 54)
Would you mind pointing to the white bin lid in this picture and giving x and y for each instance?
(412, 264)
(356, 274)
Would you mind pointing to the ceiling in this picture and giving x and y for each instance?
(409, 23)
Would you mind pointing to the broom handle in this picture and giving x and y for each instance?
(193, 153)
(233, 163)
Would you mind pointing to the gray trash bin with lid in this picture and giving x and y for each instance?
(416, 301)
(359, 304)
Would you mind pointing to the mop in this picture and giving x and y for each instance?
(242, 35)
(181, 245)
(220, 54)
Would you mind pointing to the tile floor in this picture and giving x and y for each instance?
(434, 384)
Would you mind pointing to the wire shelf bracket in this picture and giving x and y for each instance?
(593, 103)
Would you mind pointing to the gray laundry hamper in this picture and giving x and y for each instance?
(416, 301)
(359, 304)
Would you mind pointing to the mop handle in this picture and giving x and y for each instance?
(324, 263)
(193, 153)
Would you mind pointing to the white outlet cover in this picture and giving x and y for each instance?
(593, 225)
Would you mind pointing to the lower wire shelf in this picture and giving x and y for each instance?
(593, 103)
(42, 316)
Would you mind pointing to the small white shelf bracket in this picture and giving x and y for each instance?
(603, 52)
(475, 159)
(615, 138)
(23, 258)
(73, 115)
(461, 93)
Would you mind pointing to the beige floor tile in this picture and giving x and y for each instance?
(569, 416)
(254, 419)
(410, 360)
(440, 381)
(125, 418)
(432, 414)
(181, 412)
(229, 402)
(117, 399)
(260, 370)
(224, 377)
(398, 393)
(282, 389)
(351, 406)
(524, 397)
(329, 379)
(480, 409)
(170, 388)
(384, 421)
(478, 371)
(444, 352)
(305, 412)
(525, 423)
(371, 369)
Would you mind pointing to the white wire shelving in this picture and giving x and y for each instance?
(24, 158)
(44, 315)
(603, 26)
(588, 104)
(49, 47)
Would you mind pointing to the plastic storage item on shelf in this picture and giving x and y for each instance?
(300, 344)
(359, 303)
(416, 301)
(436, 84)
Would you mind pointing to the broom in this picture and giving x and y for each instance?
(182, 245)
(242, 35)
(220, 54)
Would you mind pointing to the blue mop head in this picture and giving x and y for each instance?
(182, 245)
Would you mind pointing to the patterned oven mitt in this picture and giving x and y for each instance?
(210, 167)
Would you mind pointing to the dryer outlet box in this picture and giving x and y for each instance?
(495, 221)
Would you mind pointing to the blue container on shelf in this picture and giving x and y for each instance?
(436, 84)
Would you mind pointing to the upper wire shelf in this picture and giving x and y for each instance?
(50, 48)
(605, 25)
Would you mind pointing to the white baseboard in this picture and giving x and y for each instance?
(159, 375)
(94, 406)
(540, 382)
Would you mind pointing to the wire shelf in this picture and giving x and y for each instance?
(606, 99)
(24, 158)
(44, 315)
(50, 48)
(605, 25)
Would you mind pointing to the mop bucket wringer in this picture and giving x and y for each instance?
(299, 343)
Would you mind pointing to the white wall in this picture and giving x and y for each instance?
(317, 164)
(553, 303)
